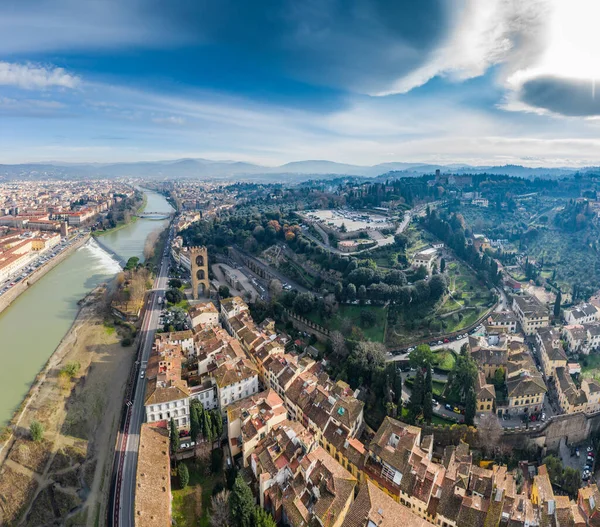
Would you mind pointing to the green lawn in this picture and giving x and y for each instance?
(590, 365)
(376, 332)
(438, 387)
(437, 420)
(191, 505)
(445, 360)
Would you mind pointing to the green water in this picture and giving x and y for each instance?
(34, 324)
(129, 241)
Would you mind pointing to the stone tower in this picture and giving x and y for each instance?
(199, 270)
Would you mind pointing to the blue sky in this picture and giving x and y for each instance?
(273, 81)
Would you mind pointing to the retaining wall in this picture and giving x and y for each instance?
(13, 293)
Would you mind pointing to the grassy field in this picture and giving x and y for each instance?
(445, 360)
(590, 366)
(191, 505)
(376, 332)
(469, 300)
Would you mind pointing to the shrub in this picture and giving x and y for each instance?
(36, 430)
(184, 475)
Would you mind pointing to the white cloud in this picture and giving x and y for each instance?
(33, 76)
(179, 121)
(486, 33)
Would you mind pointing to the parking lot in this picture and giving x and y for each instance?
(37, 260)
(580, 457)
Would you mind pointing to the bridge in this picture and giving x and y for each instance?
(155, 215)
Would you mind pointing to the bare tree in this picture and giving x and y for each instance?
(150, 245)
(275, 288)
(338, 344)
(490, 432)
(219, 503)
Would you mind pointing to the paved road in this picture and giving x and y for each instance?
(126, 455)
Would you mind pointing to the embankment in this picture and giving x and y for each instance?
(98, 240)
(13, 293)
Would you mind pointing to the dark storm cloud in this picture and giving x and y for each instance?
(571, 97)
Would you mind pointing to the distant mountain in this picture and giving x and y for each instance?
(227, 170)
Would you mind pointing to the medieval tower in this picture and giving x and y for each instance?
(199, 271)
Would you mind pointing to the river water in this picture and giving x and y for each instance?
(34, 324)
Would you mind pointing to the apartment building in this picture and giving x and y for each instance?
(525, 386)
(251, 419)
(550, 350)
(204, 315)
(530, 313)
(426, 258)
(502, 321)
(485, 394)
(581, 314)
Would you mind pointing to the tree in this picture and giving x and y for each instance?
(219, 505)
(173, 436)
(398, 388)
(401, 240)
(216, 461)
(196, 411)
(442, 265)
(217, 420)
(174, 296)
(36, 430)
(557, 303)
(230, 476)
(175, 283)
(415, 402)
(183, 474)
(421, 357)
(224, 291)
(367, 318)
(427, 397)
(351, 292)
(262, 518)
(132, 263)
(207, 428)
(470, 407)
(241, 504)
(338, 289)
(463, 375)
(275, 288)
(498, 380)
(304, 303)
(338, 345)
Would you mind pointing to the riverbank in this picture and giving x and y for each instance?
(14, 292)
(133, 219)
(63, 477)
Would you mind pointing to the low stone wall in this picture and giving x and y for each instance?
(303, 324)
(13, 293)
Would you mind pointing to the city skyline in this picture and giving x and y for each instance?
(372, 82)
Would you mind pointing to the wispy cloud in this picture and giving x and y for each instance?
(172, 119)
(34, 76)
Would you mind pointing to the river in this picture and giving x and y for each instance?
(33, 326)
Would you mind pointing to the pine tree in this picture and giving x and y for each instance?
(196, 410)
(427, 397)
(241, 504)
(470, 407)
(557, 303)
(174, 436)
(207, 429)
(415, 403)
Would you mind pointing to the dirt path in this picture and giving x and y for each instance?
(65, 478)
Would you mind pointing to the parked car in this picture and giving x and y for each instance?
(448, 407)
(456, 410)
